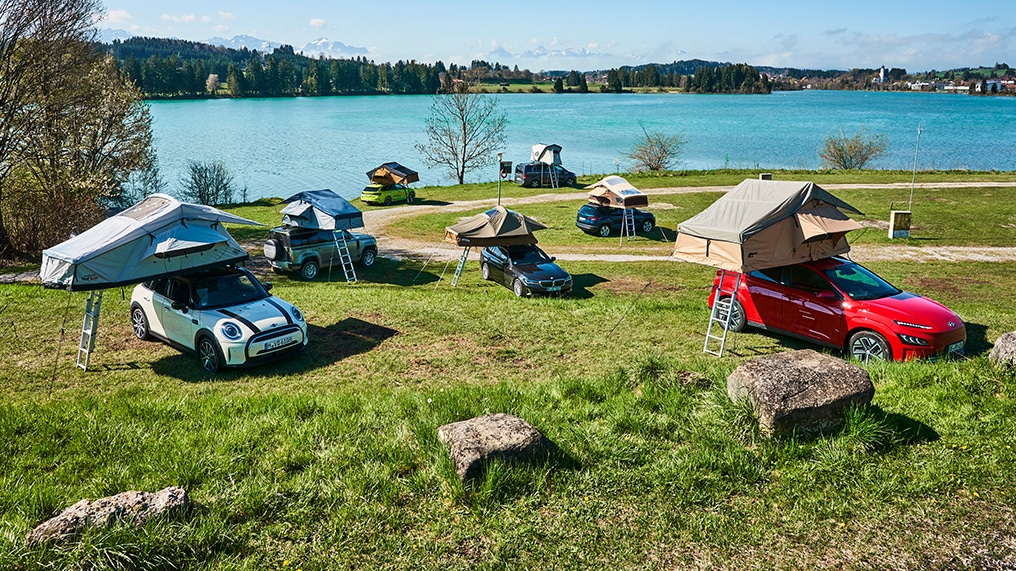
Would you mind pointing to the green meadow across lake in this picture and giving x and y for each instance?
(330, 460)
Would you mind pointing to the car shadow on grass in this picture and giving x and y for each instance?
(977, 340)
(581, 284)
(386, 271)
(328, 345)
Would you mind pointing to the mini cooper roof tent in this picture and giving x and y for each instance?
(321, 209)
(765, 224)
(392, 173)
(546, 154)
(616, 192)
(158, 236)
(495, 227)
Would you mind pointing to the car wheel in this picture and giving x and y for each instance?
(737, 320)
(535, 184)
(647, 226)
(209, 355)
(272, 249)
(866, 346)
(369, 257)
(485, 271)
(411, 197)
(278, 270)
(309, 270)
(518, 288)
(388, 201)
(140, 324)
(605, 230)
(569, 182)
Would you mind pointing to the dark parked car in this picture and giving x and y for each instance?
(604, 220)
(525, 269)
(535, 175)
(307, 250)
(842, 304)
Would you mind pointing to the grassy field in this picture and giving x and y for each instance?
(331, 460)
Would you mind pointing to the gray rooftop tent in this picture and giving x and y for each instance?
(321, 209)
(495, 227)
(764, 224)
(392, 173)
(616, 192)
(158, 236)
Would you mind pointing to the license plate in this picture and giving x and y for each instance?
(554, 288)
(276, 343)
(956, 347)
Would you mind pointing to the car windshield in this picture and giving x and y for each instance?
(859, 282)
(226, 290)
(528, 256)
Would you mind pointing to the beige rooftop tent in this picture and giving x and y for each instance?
(764, 224)
(495, 227)
(392, 173)
(617, 192)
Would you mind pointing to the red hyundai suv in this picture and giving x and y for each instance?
(842, 304)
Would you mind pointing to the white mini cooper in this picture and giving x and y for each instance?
(225, 316)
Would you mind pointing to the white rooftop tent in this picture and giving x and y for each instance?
(546, 154)
(158, 236)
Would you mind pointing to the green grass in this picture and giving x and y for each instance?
(331, 460)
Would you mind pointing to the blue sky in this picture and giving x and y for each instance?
(598, 34)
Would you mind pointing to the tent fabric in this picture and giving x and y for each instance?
(392, 173)
(495, 227)
(616, 192)
(546, 154)
(321, 209)
(763, 223)
(158, 236)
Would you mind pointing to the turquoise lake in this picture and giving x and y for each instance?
(277, 147)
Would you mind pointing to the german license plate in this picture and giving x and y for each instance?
(956, 347)
(276, 343)
(554, 288)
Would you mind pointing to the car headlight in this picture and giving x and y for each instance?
(231, 330)
(910, 324)
(911, 340)
(528, 281)
(297, 314)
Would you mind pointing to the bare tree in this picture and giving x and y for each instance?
(852, 153)
(464, 131)
(656, 151)
(35, 36)
(207, 182)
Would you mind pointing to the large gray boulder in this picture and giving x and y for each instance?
(1004, 351)
(133, 507)
(803, 391)
(479, 439)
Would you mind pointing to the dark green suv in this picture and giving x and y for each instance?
(307, 250)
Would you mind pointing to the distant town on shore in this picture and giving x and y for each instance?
(180, 69)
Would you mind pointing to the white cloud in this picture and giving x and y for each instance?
(118, 17)
(182, 19)
(318, 23)
(227, 16)
(221, 29)
(206, 19)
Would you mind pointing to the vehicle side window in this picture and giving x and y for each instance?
(768, 274)
(807, 280)
(179, 292)
(161, 286)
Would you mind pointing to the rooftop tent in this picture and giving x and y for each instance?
(495, 227)
(546, 154)
(617, 192)
(321, 209)
(764, 224)
(158, 236)
(392, 173)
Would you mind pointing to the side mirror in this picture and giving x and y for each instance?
(267, 286)
(553, 258)
(825, 294)
(179, 306)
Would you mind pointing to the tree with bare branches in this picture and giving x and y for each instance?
(656, 151)
(464, 131)
(852, 153)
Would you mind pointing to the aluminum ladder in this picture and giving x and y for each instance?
(89, 328)
(461, 266)
(342, 247)
(554, 182)
(720, 316)
(628, 224)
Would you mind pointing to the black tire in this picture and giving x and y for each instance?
(368, 258)
(518, 289)
(388, 201)
(140, 323)
(309, 270)
(209, 354)
(535, 183)
(604, 230)
(737, 319)
(485, 270)
(569, 182)
(411, 197)
(278, 270)
(273, 249)
(867, 345)
(647, 226)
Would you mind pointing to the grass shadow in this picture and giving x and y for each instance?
(581, 284)
(977, 340)
(908, 430)
(384, 271)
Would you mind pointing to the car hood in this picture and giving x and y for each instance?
(542, 271)
(260, 315)
(913, 308)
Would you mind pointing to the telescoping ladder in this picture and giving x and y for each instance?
(342, 247)
(721, 315)
(461, 266)
(89, 328)
(628, 224)
(554, 182)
